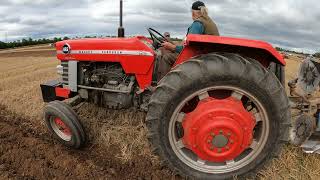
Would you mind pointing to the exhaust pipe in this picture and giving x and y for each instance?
(121, 29)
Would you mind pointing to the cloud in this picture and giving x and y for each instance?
(288, 23)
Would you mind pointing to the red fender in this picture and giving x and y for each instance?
(203, 44)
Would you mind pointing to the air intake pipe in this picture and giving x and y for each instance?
(121, 29)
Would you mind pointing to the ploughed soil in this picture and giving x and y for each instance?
(29, 153)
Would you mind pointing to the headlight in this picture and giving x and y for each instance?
(60, 70)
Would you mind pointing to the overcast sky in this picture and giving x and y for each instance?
(287, 23)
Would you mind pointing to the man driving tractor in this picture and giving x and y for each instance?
(202, 24)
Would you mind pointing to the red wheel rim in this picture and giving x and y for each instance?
(219, 132)
(61, 128)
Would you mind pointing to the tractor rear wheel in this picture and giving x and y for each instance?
(217, 116)
(64, 124)
(278, 70)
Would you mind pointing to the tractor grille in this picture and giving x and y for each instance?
(65, 75)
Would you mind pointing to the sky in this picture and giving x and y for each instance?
(292, 24)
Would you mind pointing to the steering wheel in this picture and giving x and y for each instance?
(157, 38)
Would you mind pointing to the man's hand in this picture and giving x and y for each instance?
(169, 46)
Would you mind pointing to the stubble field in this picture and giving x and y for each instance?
(118, 147)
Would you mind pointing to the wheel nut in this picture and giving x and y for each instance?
(211, 148)
(221, 132)
(231, 141)
(229, 134)
(208, 141)
(212, 134)
(219, 150)
(227, 148)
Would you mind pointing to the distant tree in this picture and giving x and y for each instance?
(3, 45)
(66, 38)
(40, 41)
(30, 41)
(24, 42)
(279, 49)
(44, 40)
(317, 55)
(56, 39)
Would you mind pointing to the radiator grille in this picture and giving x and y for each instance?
(65, 75)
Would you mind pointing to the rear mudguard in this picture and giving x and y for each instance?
(203, 44)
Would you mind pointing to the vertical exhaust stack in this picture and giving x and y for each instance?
(121, 29)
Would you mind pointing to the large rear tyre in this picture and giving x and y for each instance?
(64, 124)
(217, 116)
(279, 71)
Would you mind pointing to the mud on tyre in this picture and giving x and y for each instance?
(217, 116)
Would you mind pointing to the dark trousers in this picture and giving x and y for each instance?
(166, 61)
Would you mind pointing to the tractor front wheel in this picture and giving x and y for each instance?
(218, 116)
(64, 124)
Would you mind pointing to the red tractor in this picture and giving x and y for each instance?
(221, 111)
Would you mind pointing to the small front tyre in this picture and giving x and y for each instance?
(64, 124)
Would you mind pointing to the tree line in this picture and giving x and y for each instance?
(29, 42)
(289, 51)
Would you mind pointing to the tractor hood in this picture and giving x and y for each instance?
(104, 49)
(136, 55)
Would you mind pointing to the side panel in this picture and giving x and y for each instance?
(73, 76)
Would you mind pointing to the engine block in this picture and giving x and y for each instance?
(107, 83)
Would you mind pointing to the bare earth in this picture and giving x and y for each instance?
(118, 147)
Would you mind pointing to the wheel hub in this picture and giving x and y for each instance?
(220, 141)
(62, 126)
(218, 130)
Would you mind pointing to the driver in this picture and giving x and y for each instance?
(202, 24)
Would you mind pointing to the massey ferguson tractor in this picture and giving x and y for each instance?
(222, 110)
